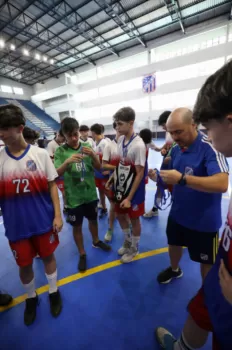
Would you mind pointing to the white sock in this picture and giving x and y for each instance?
(30, 289)
(181, 344)
(52, 281)
(176, 270)
(127, 234)
(135, 242)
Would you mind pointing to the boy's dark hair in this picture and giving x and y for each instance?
(97, 128)
(146, 136)
(84, 128)
(30, 134)
(125, 114)
(68, 125)
(11, 116)
(214, 100)
(103, 128)
(114, 125)
(163, 117)
(60, 133)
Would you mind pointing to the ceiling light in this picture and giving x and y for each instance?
(25, 52)
(45, 58)
(37, 56)
(12, 47)
(2, 44)
(52, 61)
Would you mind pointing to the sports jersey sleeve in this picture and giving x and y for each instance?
(50, 149)
(215, 162)
(50, 170)
(140, 154)
(58, 157)
(106, 153)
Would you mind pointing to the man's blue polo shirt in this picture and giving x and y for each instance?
(193, 209)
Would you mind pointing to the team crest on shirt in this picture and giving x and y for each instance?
(31, 166)
(188, 170)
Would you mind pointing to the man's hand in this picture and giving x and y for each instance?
(170, 177)
(125, 204)
(105, 172)
(225, 280)
(109, 184)
(57, 224)
(75, 158)
(152, 175)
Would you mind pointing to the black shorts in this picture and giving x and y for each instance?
(88, 210)
(202, 246)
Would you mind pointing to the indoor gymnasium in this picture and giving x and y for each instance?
(115, 185)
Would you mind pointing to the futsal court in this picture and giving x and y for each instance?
(111, 306)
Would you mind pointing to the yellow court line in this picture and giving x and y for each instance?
(20, 299)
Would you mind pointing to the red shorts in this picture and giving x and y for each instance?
(60, 184)
(135, 211)
(200, 315)
(101, 183)
(26, 250)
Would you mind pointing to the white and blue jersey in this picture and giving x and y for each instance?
(193, 209)
(219, 309)
(25, 199)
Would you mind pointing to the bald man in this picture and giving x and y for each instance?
(199, 175)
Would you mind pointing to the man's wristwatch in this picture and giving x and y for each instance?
(182, 181)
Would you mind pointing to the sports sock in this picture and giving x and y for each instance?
(135, 242)
(30, 289)
(127, 234)
(52, 281)
(176, 270)
(181, 344)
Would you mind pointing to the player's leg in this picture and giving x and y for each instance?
(75, 218)
(112, 216)
(90, 212)
(135, 238)
(122, 216)
(46, 245)
(5, 299)
(103, 211)
(176, 240)
(196, 328)
(24, 253)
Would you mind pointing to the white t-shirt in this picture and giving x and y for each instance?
(168, 138)
(90, 141)
(110, 152)
(52, 147)
(133, 152)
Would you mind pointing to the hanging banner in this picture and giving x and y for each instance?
(149, 83)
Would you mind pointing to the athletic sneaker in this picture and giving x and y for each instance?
(82, 263)
(129, 256)
(125, 248)
(108, 235)
(55, 303)
(102, 245)
(167, 275)
(30, 310)
(151, 213)
(5, 299)
(165, 339)
(103, 212)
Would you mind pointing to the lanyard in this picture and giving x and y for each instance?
(82, 166)
(161, 196)
(124, 147)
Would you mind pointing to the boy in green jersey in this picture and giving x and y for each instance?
(76, 162)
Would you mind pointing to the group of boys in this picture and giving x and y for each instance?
(28, 180)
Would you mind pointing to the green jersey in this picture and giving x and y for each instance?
(79, 182)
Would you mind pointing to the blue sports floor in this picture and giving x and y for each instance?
(111, 306)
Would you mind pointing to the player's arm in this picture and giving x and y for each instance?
(51, 176)
(62, 164)
(106, 159)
